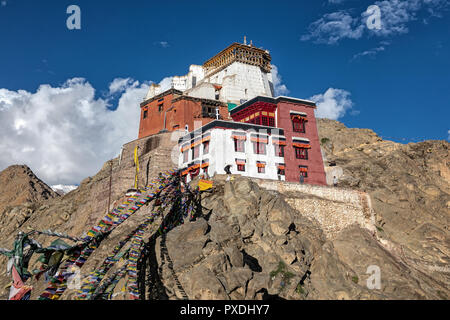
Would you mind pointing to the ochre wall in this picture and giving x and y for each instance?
(316, 172)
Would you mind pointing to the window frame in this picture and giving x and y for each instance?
(304, 174)
(300, 123)
(301, 153)
(196, 152)
(237, 144)
(205, 147)
(257, 148)
(278, 147)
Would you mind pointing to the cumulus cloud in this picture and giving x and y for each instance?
(65, 133)
(278, 86)
(166, 83)
(333, 104)
(333, 27)
(395, 17)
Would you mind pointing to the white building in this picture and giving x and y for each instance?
(236, 74)
(248, 150)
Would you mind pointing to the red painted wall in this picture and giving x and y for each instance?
(316, 172)
(184, 112)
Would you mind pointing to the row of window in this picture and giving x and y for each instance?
(260, 148)
(280, 169)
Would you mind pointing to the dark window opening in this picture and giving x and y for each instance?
(304, 171)
(271, 122)
(301, 153)
(145, 114)
(196, 152)
(239, 145)
(241, 167)
(298, 125)
(261, 169)
(279, 150)
(259, 148)
(206, 147)
(281, 172)
(265, 121)
(208, 112)
(160, 107)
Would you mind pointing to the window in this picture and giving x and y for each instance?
(160, 107)
(271, 122)
(301, 153)
(208, 111)
(279, 150)
(186, 155)
(145, 114)
(303, 171)
(259, 148)
(281, 171)
(261, 167)
(206, 147)
(239, 145)
(298, 125)
(240, 165)
(196, 152)
(194, 81)
(265, 121)
(194, 172)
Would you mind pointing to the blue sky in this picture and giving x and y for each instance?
(398, 79)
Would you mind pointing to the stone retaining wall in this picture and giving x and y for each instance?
(334, 208)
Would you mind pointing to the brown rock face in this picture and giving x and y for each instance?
(256, 243)
(21, 193)
(19, 185)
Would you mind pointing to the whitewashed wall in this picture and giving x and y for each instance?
(221, 153)
(239, 81)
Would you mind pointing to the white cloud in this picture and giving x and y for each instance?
(333, 104)
(3, 3)
(369, 53)
(65, 133)
(448, 138)
(395, 17)
(166, 83)
(333, 27)
(119, 85)
(278, 86)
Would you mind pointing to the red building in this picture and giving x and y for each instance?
(171, 110)
(301, 148)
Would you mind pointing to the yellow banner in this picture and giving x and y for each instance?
(205, 185)
(136, 163)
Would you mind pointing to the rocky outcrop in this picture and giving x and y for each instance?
(257, 242)
(409, 185)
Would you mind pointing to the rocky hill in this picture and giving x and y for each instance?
(256, 242)
(20, 193)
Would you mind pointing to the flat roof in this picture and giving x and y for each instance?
(232, 125)
(271, 100)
